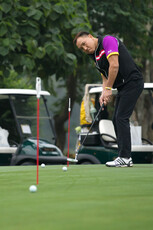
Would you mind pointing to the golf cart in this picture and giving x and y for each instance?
(100, 144)
(18, 129)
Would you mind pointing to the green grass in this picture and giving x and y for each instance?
(84, 197)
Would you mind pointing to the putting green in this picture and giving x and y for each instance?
(84, 197)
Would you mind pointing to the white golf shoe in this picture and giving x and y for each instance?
(120, 162)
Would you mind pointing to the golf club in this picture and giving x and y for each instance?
(78, 148)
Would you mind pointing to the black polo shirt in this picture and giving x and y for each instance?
(128, 70)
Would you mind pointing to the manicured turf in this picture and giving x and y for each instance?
(85, 197)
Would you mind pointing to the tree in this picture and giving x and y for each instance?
(36, 39)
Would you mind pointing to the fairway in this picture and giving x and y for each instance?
(85, 197)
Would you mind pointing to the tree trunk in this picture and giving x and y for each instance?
(62, 117)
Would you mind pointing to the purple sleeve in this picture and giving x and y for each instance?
(110, 45)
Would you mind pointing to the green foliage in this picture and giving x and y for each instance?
(128, 19)
(13, 81)
(36, 37)
(36, 40)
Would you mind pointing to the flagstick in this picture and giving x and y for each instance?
(69, 110)
(37, 140)
(38, 89)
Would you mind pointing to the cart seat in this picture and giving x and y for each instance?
(107, 132)
(8, 149)
(139, 148)
(106, 129)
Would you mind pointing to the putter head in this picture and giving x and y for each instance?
(72, 160)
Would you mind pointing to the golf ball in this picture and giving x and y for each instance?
(64, 168)
(33, 188)
(43, 165)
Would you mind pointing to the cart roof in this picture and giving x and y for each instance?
(22, 91)
(98, 89)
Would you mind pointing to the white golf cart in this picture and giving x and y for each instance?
(18, 129)
(100, 146)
